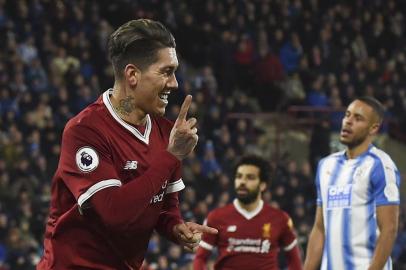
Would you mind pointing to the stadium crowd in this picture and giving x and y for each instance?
(236, 56)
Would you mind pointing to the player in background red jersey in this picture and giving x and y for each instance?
(120, 163)
(251, 233)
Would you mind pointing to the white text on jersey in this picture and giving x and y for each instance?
(131, 165)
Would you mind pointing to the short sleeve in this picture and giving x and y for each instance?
(85, 164)
(209, 241)
(385, 184)
(288, 237)
(176, 184)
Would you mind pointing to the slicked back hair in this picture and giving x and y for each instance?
(257, 161)
(137, 42)
(375, 105)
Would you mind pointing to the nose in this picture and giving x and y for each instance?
(241, 181)
(172, 82)
(348, 121)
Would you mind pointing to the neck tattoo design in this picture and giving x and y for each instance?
(125, 106)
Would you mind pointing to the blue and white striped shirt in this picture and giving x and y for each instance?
(349, 190)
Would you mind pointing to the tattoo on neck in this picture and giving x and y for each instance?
(126, 106)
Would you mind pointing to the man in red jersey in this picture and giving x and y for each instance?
(120, 166)
(250, 232)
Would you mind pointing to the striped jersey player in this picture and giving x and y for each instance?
(357, 198)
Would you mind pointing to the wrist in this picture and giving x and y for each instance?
(175, 232)
(373, 267)
(177, 156)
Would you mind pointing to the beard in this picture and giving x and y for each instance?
(248, 198)
(354, 142)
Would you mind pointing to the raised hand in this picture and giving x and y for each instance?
(183, 137)
(189, 234)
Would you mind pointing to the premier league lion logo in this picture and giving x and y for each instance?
(86, 159)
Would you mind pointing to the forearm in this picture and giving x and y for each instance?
(314, 249)
(200, 260)
(169, 217)
(119, 207)
(383, 249)
(387, 217)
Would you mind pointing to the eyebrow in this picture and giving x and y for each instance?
(247, 174)
(355, 114)
(169, 67)
(359, 115)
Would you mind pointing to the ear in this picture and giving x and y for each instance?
(262, 186)
(132, 75)
(373, 130)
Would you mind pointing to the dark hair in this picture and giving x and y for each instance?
(257, 161)
(375, 105)
(138, 42)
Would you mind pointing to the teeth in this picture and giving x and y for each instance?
(164, 95)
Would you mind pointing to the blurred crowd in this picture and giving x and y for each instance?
(236, 56)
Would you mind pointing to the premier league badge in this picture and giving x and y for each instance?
(87, 159)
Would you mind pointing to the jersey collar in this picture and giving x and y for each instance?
(245, 213)
(344, 157)
(142, 137)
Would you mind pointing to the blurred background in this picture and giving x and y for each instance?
(270, 77)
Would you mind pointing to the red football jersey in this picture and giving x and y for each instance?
(100, 150)
(249, 240)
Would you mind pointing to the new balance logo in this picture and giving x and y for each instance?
(131, 165)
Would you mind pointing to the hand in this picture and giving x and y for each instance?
(183, 137)
(189, 234)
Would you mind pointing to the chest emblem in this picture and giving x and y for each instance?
(266, 230)
(339, 196)
(232, 228)
(131, 165)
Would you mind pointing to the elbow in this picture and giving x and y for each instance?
(117, 219)
(114, 224)
(390, 231)
(393, 230)
(113, 212)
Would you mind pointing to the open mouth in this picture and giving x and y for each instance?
(164, 96)
(345, 132)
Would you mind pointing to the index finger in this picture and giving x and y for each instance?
(205, 229)
(185, 107)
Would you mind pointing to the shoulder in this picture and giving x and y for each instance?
(276, 212)
(86, 119)
(333, 156)
(382, 158)
(88, 123)
(220, 212)
(330, 160)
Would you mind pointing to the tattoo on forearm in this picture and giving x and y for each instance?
(126, 106)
